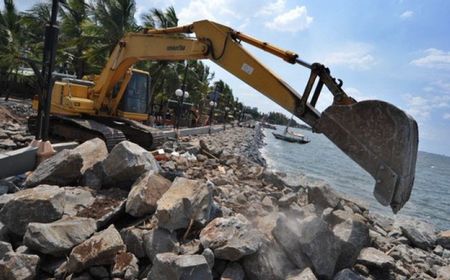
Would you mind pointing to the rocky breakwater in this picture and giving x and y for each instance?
(14, 133)
(199, 208)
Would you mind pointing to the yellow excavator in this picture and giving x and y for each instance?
(377, 135)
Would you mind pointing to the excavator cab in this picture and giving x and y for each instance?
(135, 100)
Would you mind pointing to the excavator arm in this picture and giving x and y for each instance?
(378, 136)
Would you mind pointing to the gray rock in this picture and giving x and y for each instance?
(287, 199)
(94, 176)
(347, 274)
(61, 169)
(145, 193)
(269, 263)
(308, 240)
(233, 271)
(209, 256)
(168, 266)
(134, 240)
(420, 234)
(372, 257)
(4, 198)
(99, 272)
(443, 239)
(322, 195)
(5, 247)
(3, 233)
(76, 199)
(231, 238)
(92, 152)
(125, 266)
(443, 273)
(159, 240)
(42, 204)
(22, 249)
(305, 274)
(100, 249)
(184, 201)
(15, 266)
(353, 236)
(126, 162)
(57, 238)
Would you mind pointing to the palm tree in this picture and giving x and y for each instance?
(11, 44)
(164, 73)
(74, 15)
(111, 19)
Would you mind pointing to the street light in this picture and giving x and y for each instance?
(181, 94)
(225, 117)
(212, 104)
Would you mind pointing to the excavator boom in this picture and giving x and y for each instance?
(377, 135)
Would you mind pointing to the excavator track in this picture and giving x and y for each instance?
(143, 135)
(111, 130)
(78, 129)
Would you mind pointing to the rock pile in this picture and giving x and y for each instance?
(200, 208)
(13, 130)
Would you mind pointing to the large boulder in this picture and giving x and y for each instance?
(372, 257)
(421, 234)
(16, 266)
(134, 240)
(125, 266)
(353, 235)
(184, 201)
(68, 166)
(76, 199)
(159, 240)
(145, 193)
(169, 266)
(92, 152)
(443, 239)
(100, 249)
(323, 195)
(64, 168)
(42, 204)
(308, 240)
(269, 263)
(126, 162)
(305, 274)
(57, 238)
(231, 238)
(347, 274)
(233, 271)
(5, 247)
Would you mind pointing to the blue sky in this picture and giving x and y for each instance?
(397, 51)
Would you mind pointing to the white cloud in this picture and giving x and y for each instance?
(271, 8)
(407, 14)
(421, 107)
(446, 116)
(215, 10)
(357, 94)
(293, 20)
(356, 56)
(433, 58)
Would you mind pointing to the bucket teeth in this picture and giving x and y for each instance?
(382, 139)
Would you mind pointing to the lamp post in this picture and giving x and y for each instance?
(225, 117)
(181, 94)
(212, 104)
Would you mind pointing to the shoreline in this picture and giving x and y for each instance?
(206, 204)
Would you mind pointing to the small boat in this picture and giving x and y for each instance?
(290, 136)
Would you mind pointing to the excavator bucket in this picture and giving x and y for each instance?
(382, 139)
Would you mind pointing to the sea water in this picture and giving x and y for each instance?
(322, 160)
